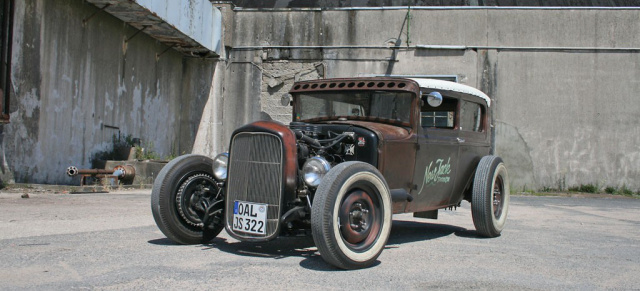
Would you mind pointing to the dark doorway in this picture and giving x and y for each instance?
(6, 39)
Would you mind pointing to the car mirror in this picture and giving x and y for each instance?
(285, 100)
(434, 99)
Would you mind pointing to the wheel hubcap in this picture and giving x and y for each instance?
(358, 217)
(359, 223)
(194, 197)
(498, 201)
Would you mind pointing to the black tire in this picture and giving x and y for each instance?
(355, 195)
(490, 198)
(175, 192)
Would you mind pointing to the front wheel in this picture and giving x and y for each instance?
(490, 197)
(351, 215)
(184, 195)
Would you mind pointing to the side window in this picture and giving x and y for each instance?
(471, 116)
(443, 116)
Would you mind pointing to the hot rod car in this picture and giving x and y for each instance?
(355, 152)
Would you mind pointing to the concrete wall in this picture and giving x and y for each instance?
(377, 3)
(72, 83)
(563, 116)
(195, 18)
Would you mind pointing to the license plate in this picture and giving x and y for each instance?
(249, 217)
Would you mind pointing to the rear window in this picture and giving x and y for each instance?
(471, 116)
(443, 116)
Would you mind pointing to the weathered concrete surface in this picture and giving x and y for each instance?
(277, 79)
(576, 115)
(242, 94)
(196, 18)
(209, 135)
(193, 27)
(110, 241)
(562, 117)
(378, 3)
(74, 83)
(473, 27)
(6, 174)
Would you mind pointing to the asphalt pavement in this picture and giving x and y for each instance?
(109, 241)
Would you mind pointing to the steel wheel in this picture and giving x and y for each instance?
(194, 197)
(498, 202)
(490, 197)
(182, 194)
(351, 215)
(359, 219)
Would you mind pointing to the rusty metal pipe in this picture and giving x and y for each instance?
(125, 172)
(94, 171)
(73, 171)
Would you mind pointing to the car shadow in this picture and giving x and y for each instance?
(282, 247)
(407, 231)
(402, 232)
(163, 242)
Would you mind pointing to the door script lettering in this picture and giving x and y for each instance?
(438, 173)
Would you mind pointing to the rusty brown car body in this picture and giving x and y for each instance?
(356, 151)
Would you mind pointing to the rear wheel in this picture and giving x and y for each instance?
(351, 215)
(183, 193)
(490, 198)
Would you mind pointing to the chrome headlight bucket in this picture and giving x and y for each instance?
(314, 170)
(220, 164)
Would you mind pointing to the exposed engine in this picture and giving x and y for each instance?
(320, 148)
(336, 143)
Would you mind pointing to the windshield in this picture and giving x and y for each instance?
(383, 106)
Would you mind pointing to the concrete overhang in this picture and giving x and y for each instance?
(192, 27)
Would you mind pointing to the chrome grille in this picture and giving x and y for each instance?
(255, 175)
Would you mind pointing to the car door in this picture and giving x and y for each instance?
(474, 144)
(436, 166)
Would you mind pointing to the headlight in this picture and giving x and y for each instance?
(314, 170)
(220, 166)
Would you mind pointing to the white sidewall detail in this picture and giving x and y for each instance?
(498, 224)
(386, 212)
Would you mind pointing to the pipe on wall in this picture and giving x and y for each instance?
(241, 9)
(442, 47)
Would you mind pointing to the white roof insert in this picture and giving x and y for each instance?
(451, 86)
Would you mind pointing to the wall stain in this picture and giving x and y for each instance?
(516, 154)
